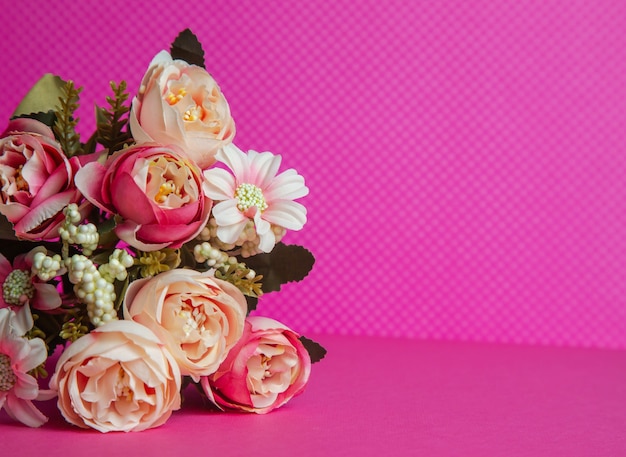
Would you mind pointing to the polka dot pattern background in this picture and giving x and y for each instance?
(466, 159)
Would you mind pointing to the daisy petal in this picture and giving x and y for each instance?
(218, 184)
(267, 241)
(24, 411)
(46, 297)
(226, 213)
(234, 158)
(287, 214)
(288, 185)
(262, 168)
(230, 233)
(22, 321)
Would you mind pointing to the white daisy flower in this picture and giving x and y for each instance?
(254, 192)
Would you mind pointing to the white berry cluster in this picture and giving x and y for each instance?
(73, 232)
(94, 286)
(205, 252)
(119, 261)
(217, 259)
(248, 240)
(46, 267)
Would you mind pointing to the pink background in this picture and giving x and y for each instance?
(466, 159)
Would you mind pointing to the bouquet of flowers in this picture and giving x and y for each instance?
(138, 255)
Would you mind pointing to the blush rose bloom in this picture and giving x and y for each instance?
(198, 317)
(268, 366)
(36, 179)
(118, 377)
(181, 104)
(155, 191)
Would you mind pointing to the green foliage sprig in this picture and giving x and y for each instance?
(65, 125)
(112, 132)
(238, 275)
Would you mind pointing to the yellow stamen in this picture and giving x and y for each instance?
(192, 114)
(173, 98)
(167, 188)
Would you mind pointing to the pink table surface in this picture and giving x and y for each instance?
(393, 397)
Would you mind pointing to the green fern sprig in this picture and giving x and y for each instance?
(65, 125)
(112, 122)
(237, 275)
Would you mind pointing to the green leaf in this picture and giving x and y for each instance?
(187, 47)
(42, 97)
(6, 229)
(106, 226)
(65, 126)
(286, 263)
(112, 121)
(316, 351)
(48, 118)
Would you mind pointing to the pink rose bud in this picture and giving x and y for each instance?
(155, 190)
(37, 180)
(268, 366)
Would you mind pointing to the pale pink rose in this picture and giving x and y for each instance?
(198, 317)
(118, 377)
(268, 366)
(154, 190)
(36, 179)
(18, 356)
(181, 104)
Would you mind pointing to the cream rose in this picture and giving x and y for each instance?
(181, 104)
(119, 377)
(198, 317)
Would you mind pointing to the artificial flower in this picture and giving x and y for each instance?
(154, 190)
(118, 377)
(198, 317)
(268, 366)
(254, 192)
(182, 104)
(137, 280)
(18, 356)
(20, 286)
(36, 179)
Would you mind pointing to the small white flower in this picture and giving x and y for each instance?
(255, 193)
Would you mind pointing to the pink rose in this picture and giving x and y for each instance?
(37, 180)
(156, 192)
(268, 366)
(118, 377)
(181, 104)
(198, 317)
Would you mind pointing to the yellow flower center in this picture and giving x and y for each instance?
(122, 387)
(194, 318)
(249, 195)
(20, 182)
(166, 189)
(192, 114)
(173, 98)
(7, 376)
